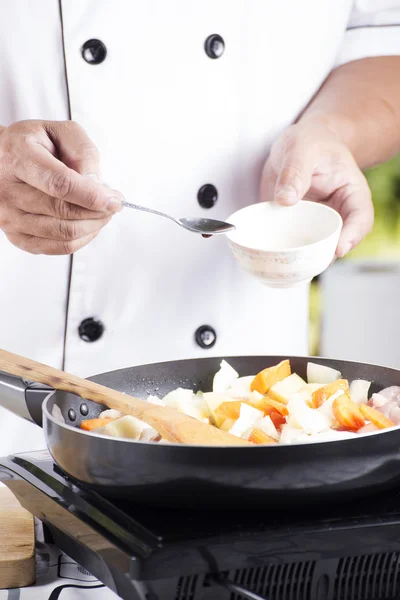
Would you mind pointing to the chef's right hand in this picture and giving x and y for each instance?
(51, 197)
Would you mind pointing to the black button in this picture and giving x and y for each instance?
(91, 330)
(207, 195)
(84, 410)
(94, 52)
(205, 336)
(71, 414)
(214, 46)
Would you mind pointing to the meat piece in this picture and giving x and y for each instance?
(388, 403)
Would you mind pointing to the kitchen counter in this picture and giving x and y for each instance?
(58, 577)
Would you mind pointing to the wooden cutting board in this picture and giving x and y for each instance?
(17, 543)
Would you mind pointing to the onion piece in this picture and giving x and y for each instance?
(321, 374)
(247, 418)
(224, 378)
(359, 389)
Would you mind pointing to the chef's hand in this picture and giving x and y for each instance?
(309, 160)
(51, 197)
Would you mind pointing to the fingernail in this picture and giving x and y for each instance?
(288, 193)
(114, 204)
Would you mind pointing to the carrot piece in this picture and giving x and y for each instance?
(347, 413)
(273, 405)
(91, 424)
(324, 393)
(258, 436)
(229, 410)
(277, 419)
(268, 377)
(375, 417)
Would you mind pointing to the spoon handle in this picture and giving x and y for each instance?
(149, 210)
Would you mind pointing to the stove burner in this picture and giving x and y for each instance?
(346, 553)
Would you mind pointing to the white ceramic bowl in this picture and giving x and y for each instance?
(285, 246)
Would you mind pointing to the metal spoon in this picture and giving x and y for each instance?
(206, 227)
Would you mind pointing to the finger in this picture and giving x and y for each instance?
(357, 211)
(75, 148)
(36, 245)
(54, 229)
(30, 200)
(295, 174)
(268, 183)
(41, 170)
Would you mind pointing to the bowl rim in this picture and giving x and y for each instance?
(293, 249)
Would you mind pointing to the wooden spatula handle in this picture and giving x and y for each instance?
(170, 424)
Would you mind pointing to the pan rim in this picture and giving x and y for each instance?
(272, 448)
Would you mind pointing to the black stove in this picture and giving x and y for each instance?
(349, 552)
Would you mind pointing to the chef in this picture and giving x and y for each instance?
(192, 111)
(192, 108)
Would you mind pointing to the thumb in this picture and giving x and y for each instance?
(295, 175)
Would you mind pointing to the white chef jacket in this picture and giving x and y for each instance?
(167, 119)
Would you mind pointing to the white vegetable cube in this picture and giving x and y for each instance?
(283, 390)
(310, 420)
(110, 413)
(321, 374)
(266, 425)
(359, 389)
(247, 418)
(240, 388)
(128, 427)
(154, 400)
(172, 399)
(224, 378)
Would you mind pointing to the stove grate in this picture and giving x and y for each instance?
(291, 581)
(186, 588)
(371, 577)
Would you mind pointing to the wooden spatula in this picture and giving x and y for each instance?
(170, 424)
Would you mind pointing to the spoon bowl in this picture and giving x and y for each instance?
(206, 227)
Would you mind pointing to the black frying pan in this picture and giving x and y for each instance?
(209, 477)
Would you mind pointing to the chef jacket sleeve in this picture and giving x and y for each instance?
(373, 30)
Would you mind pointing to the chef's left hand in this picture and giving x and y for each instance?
(310, 161)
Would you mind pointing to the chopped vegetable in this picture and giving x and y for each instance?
(277, 419)
(375, 417)
(347, 413)
(323, 393)
(310, 420)
(321, 374)
(228, 410)
(247, 418)
(110, 414)
(283, 390)
(258, 436)
(129, 427)
(274, 406)
(359, 389)
(224, 378)
(91, 424)
(213, 400)
(269, 377)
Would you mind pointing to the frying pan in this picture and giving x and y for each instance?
(209, 477)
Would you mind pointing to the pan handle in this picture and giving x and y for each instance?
(23, 398)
